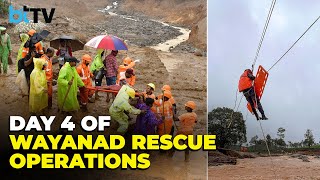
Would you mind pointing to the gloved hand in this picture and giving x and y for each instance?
(137, 60)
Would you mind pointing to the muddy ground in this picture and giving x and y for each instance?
(182, 70)
(264, 168)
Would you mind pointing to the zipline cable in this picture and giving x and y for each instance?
(263, 33)
(294, 43)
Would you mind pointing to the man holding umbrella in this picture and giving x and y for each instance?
(112, 69)
(68, 83)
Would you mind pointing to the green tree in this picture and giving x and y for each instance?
(280, 132)
(218, 120)
(309, 139)
(269, 140)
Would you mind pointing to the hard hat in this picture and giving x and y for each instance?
(31, 32)
(127, 60)
(167, 94)
(131, 92)
(152, 86)
(86, 57)
(166, 88)
(191, 105)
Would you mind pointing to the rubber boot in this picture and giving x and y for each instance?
(264, 117)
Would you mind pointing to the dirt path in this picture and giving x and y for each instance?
(262, 168)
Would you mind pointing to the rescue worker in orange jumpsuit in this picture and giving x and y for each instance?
(83, 70)
(128, 63)
(128, 79)
(149, 91)
(49, 72)
(165, 110)
(246, 86)
(39, 48)
(187, 122)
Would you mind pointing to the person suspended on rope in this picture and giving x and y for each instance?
(246, 87)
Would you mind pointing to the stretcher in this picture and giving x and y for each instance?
(259, 85)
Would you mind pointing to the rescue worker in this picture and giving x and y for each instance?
(146, 123)
(47, 57)
(97, 67)
(68, 83)
(128, 63)
(166, 110)
(38, 99)
(173, 102)
(22, 52)
(187, 122)
(149, 91)
(38, 45)
(246, 86)
(83, 70)
(128, 77)
(5, 49)
(121, 105)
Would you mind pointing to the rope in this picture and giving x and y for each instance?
(264, 137)
(265, 140)
(263, 33)
(294, 44)
(231, 119)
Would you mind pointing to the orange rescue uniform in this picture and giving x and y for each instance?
(166, 111)
(122, 69)
(245, 82)
(187, 122)
(86, 75)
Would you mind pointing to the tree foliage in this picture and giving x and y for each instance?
(218, 120)
(309, 139)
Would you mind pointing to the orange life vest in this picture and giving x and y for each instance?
(245, 82)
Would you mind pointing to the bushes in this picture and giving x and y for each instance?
(4, 8)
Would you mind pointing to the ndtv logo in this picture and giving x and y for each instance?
(22, 14)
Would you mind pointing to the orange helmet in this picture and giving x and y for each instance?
(86, 57)
(166, 88)
(127, 60)
(31, 32)
(191, 105)
(167, 94)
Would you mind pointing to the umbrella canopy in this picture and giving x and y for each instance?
(107, 42)
(74, 43)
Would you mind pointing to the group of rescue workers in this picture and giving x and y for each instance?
(155, 114)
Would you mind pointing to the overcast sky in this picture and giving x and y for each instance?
(292, 95)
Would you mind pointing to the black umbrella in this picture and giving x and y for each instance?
(37, 37)
(74, 43)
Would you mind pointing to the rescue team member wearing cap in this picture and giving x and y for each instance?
(121, 105)
(39, 48)
(47, 57)
(128, 63)
(245, 86)
(83, 70)
(5, 49)
(38, 98)
(149, 91)
(187, 122)
(69, 78)
(166, 111)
